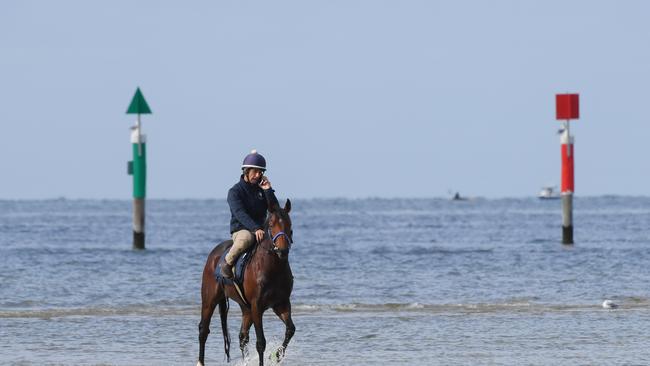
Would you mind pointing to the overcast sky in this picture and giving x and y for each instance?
(344, 98)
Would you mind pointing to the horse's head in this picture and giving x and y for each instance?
(279, 229)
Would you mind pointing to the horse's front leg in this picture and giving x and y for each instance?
(246, 322)
(256, 315)
(284, 313)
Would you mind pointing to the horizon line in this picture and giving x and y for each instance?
(448, 197)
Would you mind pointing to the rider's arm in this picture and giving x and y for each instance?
(238, 210)
(271, 200)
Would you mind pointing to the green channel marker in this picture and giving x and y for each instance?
(138, 168)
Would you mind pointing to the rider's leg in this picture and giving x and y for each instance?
(241, 241)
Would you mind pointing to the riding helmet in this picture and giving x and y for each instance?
(254, 160)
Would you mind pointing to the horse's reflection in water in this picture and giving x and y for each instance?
(267, 284)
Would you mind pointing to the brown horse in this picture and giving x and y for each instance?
(267, 284)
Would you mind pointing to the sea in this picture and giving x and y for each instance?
(426, 281)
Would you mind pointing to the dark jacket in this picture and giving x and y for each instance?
(248, 205)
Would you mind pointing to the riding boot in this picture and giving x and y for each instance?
(226, 270)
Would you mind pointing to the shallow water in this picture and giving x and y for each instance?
(377, 281)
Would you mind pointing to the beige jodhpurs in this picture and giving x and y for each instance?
(242, 239)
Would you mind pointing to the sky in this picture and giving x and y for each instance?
(344, 98)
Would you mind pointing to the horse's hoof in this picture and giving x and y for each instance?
(199, 363)
(277, 355)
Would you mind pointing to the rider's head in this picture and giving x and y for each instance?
(254, 166)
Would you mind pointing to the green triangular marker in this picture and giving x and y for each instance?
(138, 104)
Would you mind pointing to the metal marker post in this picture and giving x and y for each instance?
(567, 143)
(567, 108)
(138, 168)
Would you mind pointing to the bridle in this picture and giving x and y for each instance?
(273, 238)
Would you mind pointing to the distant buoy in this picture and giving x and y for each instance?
(609, 304)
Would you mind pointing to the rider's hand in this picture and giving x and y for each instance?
(265, 183)
(259, 235)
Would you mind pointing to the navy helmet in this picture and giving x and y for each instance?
(254, 160)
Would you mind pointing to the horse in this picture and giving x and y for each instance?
(268, 282)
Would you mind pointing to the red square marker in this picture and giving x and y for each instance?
(567, 106)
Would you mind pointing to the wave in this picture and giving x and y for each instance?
(434, 250)
(517, 305)
(145, 310)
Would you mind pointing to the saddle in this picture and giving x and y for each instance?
(238, 268)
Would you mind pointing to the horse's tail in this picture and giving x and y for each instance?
(223, 313)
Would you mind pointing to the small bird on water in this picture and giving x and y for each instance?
(609, 304)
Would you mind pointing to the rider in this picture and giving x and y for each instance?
(248, 200)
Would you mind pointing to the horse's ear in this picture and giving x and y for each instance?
(287, 206)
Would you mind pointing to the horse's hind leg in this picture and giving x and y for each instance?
(209, 300)
(284, 313)
(246, 322)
